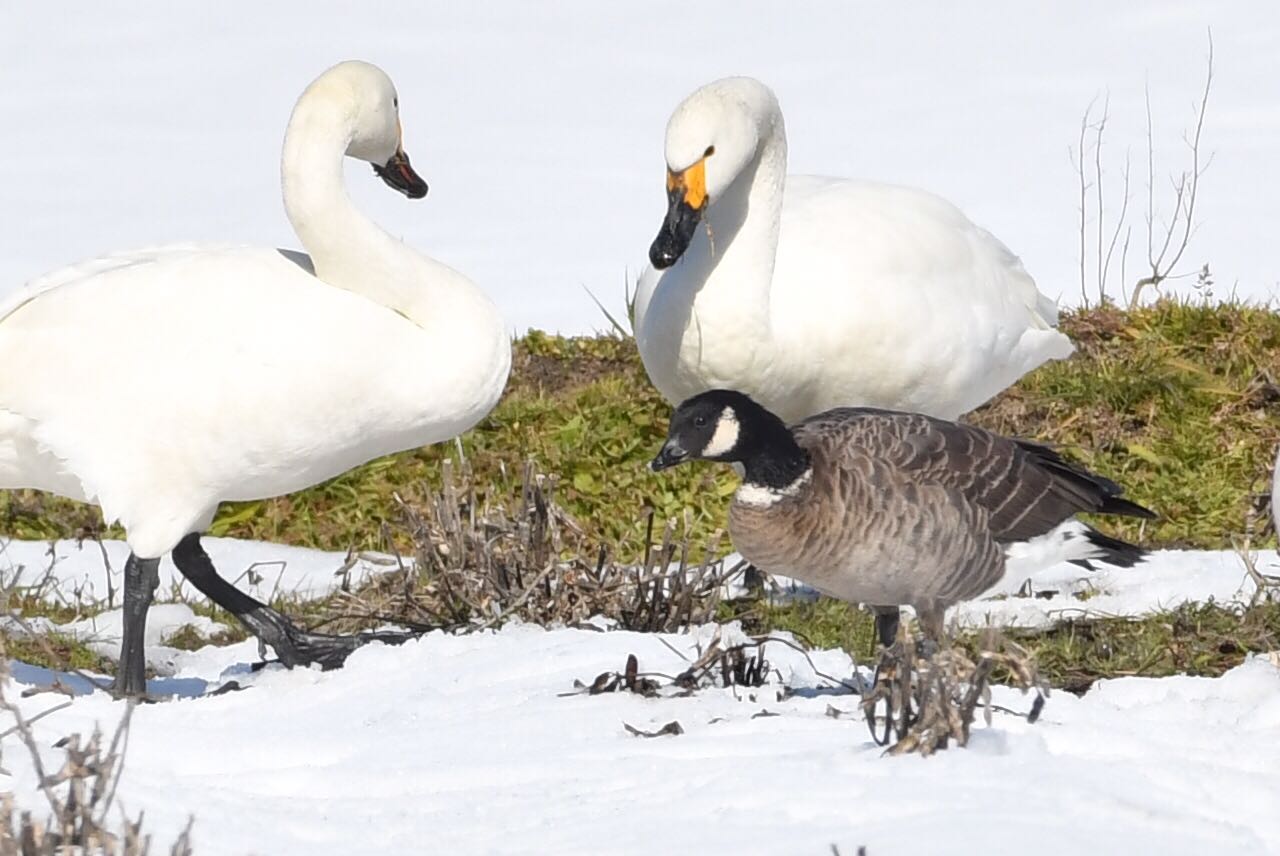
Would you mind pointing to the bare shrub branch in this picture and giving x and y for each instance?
(1168, 238)
(930, 702)
(1174, 235)
(80, 795)
(483, 557)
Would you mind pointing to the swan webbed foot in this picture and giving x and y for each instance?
(293, 646)
(296, 647)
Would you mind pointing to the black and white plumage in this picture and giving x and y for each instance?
(888, 508)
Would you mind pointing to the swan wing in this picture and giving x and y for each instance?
(912, 305)
(84, 270)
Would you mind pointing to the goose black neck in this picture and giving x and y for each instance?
(771, 457)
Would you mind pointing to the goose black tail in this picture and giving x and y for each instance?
(1119, 505)
(1113, 551)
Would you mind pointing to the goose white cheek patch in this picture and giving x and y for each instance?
(726, 436)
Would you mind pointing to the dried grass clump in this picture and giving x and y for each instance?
(740, 665)
(931, 701)
(80, 797)
(481, 558)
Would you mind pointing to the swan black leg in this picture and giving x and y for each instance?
(294, 647)
(141, 577)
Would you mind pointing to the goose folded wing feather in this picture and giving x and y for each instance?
(1025, 489)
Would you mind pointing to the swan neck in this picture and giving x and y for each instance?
(754, 211)
(347, 249)
(741, 238)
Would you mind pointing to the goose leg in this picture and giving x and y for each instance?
(752, 579)
(887, 619)
(293, 646)
(141, 577)
(932, 627)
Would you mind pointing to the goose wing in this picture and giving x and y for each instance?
(1026, 489)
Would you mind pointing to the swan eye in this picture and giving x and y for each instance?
(395, 102)
(709, 152)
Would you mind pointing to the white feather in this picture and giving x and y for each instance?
(763, 496)
(162, 382)
(1066, 543)
(725, 436)
(810, 293)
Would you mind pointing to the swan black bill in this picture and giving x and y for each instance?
(668, 456)
(677, 230)
(398, 174)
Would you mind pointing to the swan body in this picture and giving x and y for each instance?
(159, 383)
(809, 293)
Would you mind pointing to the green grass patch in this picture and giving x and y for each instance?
(1194, 639)
(1178, 402)
(55, 651)
(187, 638)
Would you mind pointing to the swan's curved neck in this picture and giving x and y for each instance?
(347, 249)
(738, 243)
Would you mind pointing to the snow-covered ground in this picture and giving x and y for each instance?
(539, 125)
(474, 744)
(91, 573)
(468, 745)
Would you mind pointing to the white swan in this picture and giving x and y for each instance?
(836, 292)
(159, 383)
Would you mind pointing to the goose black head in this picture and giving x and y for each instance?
(721, 425)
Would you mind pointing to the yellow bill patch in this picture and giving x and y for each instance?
(693, 181)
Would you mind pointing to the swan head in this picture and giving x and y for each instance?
(365, 100)
(712, 137)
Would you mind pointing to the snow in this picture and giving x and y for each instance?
(467, 744)
(539, 126)
(479, 744)
(91, 573)
(1164, 580)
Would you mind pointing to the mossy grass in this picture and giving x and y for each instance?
(1178, 401)
(1193, 639)
(56, 651)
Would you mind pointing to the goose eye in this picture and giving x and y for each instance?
(709, 152)
(700, 421)
(395, 102)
